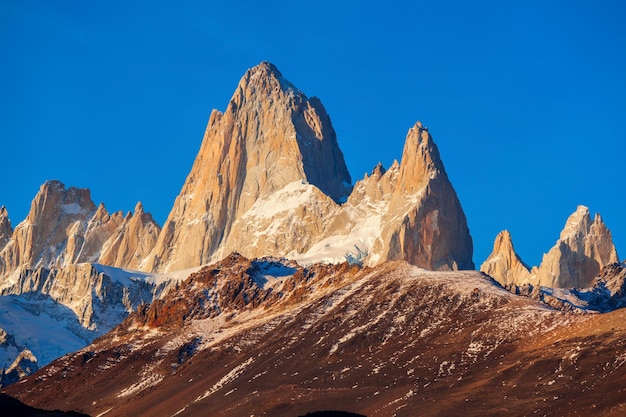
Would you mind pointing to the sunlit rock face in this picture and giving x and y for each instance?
(584, 247)
(270, 179)
(270, 135)
(64, 227)
(504, 264)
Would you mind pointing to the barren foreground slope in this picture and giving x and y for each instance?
(268, 337)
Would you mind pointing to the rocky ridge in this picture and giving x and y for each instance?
(64, 227)
(269, 179)
(583, 249)
(607, 292)
(266, 336)
(50, 259)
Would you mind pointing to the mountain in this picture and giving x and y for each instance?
(270, 135)
(583, 248)
(269, 179)
(270, 337)
(64, 227)
(54, 297)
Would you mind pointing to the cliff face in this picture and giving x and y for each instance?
(433, 231)
(98, 300)
(583, 249)
(270, 135)
(270, 179)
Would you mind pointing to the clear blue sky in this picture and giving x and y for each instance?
(526, 100)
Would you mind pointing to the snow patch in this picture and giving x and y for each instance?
(72, 208)
(226, 379)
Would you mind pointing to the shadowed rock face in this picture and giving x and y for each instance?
(269, 337)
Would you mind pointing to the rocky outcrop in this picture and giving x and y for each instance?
(23, 365)
(132, 241)
(98, 300)
(583, 248)
(5, 227)
(270, 180)
(504, 264)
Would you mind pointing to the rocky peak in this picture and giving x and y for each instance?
(54, 201)
(420, 160)
(5, 227)
(138, 208)
(262, 81)
(584, 247)
(577, 223)
(101, 213)
(379, 170)
(434, 232)
(504, 264)
(51, 235)
(270, 135)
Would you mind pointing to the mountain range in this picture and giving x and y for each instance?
(270, 252)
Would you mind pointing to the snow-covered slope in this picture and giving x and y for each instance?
(46, 328)
(51, 316)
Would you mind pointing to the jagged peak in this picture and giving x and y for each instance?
(56, 186)
(54, 198)
(101, 212)
(597, 219)
(420, 159)
(139, 208)
(578, 222)
(4, 212)
(503, 239)
(265, 77)
(51, 186)
(379, 170)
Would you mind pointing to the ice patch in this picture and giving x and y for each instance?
(72, 208)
